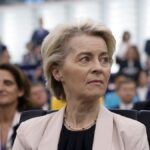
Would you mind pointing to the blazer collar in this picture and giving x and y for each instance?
(104, 130)
(51, 135)
(102, 136)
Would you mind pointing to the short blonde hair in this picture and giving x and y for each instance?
(54, 48)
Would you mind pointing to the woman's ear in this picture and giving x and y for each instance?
(57, 73)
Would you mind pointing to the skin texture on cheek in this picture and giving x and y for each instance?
(76, 80)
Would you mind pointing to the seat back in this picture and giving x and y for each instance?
(145, 105)
(144, 117)
(25, 115)
(36, 113)
(126, 113)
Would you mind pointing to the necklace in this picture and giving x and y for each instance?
(67, 124)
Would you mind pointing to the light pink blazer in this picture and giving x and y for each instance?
(113, 132)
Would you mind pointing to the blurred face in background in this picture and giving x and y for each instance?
(143, 79)
(5, 57)
(126, 36)
(119, 79)
(9, 91)
(132, 53)
(39, 96)
(127, 91)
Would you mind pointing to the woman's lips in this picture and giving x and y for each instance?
(97, 82)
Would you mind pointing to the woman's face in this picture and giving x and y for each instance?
(39, 95)
(9, 91)
(86, 69)
(143, 79)
(126, 37)
(5, 58)
(131, 53)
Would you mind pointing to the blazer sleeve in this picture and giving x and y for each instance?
(20, 142)
(142, 142)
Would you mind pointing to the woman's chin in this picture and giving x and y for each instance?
(93, 96)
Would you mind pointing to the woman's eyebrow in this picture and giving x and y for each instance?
(90, 54)
(85, 53)
(8, 80)
(104, 54)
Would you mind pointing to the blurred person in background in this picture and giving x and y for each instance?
(143, 89)
(147, 47)
(4, 55)
(77, 61)
(39, 34)
(37, 50)
(30, 57)
(148, 69)
(14, 95)
(124, 45)
(111, 99)
(143, 105)
(39, 97)
(126, 91)
(31, 63)
(131, 65)
(38, 75)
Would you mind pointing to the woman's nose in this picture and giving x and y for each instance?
(96, 67)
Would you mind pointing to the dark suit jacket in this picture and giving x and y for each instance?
(147, 47)
(142, 105)
(38, 36)
(125, 69)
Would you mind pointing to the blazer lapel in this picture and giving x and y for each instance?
(102, 137)
(104, 130)
(51, 135)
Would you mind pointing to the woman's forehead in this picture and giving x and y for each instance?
(5, 74)
(87, 43)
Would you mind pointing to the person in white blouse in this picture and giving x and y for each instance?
(143, 88)
(14, 94)
(124, 45)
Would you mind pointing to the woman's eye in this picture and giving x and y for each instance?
(8, 83)
(104, 60)
(85, 59)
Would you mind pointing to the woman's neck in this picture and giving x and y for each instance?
(80, 114)
(7, 113)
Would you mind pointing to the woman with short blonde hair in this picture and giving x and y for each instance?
(77, 60)
(55, 48)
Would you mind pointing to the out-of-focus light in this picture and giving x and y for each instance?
(34, 1)
(114, 68)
